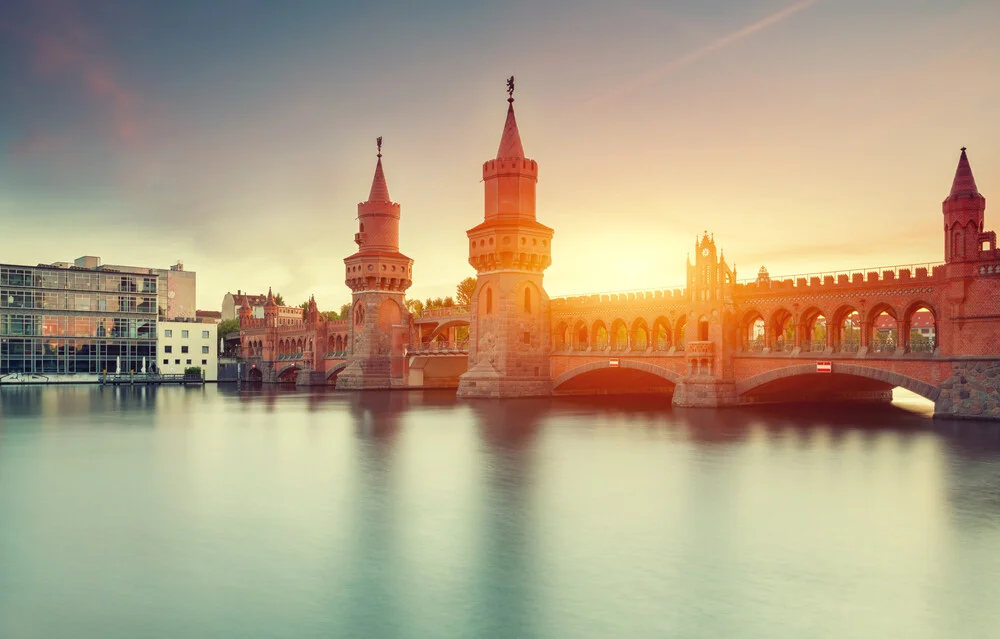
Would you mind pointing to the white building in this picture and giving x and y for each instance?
(183, 344)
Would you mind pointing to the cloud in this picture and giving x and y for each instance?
(693, 56)
(63, 47)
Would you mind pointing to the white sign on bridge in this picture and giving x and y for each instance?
(824, 367)
(613, 362)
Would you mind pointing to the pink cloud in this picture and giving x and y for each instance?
(63, 47)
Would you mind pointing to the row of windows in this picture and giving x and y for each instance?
(170, 349)
(63, 301)
(166, 362)
(76, 280)
(60, 356)
(184, 333)
(32, 324)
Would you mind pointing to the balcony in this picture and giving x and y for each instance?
(700, 348)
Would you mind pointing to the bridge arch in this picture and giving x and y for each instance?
(618, 336)
(581, 336)
(333, 373)
(287, 373)
(890, 378)
(600, 337)
(639, 335)
(561, 337)
(443, 327)
(663, 374)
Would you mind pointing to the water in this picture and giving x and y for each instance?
(207, 513)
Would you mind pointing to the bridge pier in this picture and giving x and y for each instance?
(972, 392)
(705, 392)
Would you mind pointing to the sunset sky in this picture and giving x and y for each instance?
(239, 136)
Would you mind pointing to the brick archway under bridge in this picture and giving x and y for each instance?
(623, 376)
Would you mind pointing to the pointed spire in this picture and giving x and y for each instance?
(964, 184)
(270, 298)
(510, 141)
(380, 190)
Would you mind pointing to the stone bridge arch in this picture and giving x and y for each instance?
(333, 373)
(662, 373)
(287, 373)
(890, 378)
(443, 327)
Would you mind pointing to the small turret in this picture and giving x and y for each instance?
(964, 212)
(245, 311)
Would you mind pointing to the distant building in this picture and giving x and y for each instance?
(67, 322)
(185, 344)
(211, 317)
(231, 303)
(177, 287)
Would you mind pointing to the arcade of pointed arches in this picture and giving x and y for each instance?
(639, 335)
(883, 328)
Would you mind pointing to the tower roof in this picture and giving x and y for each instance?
(270, 298)
(964, 185)
(380, 190)
(510, 141)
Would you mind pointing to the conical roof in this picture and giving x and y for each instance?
(510, 141)
(380, 190)
(964, 185)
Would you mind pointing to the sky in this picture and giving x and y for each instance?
(238, 136)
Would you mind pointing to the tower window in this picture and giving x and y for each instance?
(527, 300)
(489, 301)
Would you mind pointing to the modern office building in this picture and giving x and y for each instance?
(69, 323)
(182, 345)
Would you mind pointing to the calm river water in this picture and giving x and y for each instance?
(212, 513)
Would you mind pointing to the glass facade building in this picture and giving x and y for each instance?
(69, 320)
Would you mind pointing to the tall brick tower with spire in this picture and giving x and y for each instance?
(510, 329)
(378, 276)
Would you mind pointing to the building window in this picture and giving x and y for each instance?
(166, 361)
(168, 349)
(204, 334)
(184, 334)
(177, 361)
(204, 350)
(189, 362)
(168, 333)
(204, 362)
(184, 349)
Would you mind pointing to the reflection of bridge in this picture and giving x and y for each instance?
(715, 341)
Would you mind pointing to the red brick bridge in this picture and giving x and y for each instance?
(714, 341)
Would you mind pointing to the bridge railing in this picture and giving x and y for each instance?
(445, 311)
(441, 346)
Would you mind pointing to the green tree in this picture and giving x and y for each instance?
(278, 299)
(345, 311)
(416, 307)
(228, 326)
(464, 291)
(331, 315)
(304, 305)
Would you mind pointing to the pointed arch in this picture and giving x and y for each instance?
(660, 337)
(599, 336)
(618, 335)
(639, 335)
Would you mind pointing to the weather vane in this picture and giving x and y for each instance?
(510, 89)
(378, 141)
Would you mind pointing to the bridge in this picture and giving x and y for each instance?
(714, 341)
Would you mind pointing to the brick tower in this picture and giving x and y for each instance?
(378, 276)
(509, 333)
(964, 210)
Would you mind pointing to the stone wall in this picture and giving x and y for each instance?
(973, 391)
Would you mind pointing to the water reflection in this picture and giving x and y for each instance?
(279, 512)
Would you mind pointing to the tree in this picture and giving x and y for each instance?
(278, 299)
(229, 326)
(448, 302)
(416, 307)
(304, 305)
(464, 291)
(345, 311)
(331, 315)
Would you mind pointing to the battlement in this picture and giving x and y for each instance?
(932, 272)
(578, 301)
(510, 166)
